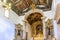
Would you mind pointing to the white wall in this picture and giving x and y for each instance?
(7, 25)
(54, 6)
(49, 14)
(6, 29)
(58, 26)
(13, 17)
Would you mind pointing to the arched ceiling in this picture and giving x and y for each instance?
(22, 6)
(34, 17)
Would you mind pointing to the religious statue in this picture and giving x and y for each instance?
(38, 29)
(49, 29)
(18, 32)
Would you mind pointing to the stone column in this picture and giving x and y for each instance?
(44, 27)
(28, 30)
(25, 30)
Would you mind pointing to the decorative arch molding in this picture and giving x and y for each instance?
(33, 11)
(27, 23)
(34, 17)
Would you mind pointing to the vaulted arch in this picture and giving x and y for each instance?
(34, 17)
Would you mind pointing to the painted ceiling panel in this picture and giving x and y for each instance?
(28, 2)
(22, 5)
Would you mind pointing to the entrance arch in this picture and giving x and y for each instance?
(33, 19)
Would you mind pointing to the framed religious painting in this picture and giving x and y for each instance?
(21, 6)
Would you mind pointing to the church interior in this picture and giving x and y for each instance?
(29, 19)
